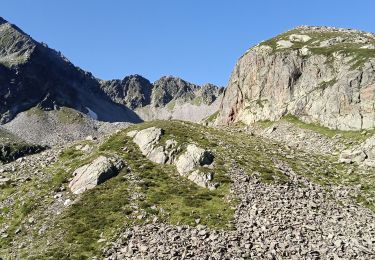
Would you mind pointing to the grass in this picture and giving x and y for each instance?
(350, 135)
(69, 116)
(170, 106)
(197, 101)
(65, 115)
(101, 213)
(325, 84)
(107, 209)
(359, 56)
(212, 117)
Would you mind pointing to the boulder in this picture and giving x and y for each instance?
(363, 154)
(95, 173)
(202, 179)
(192, 158)
(283, 44)
(148, 142)
(186, 164)
(147, 139)
(299, 38)
(4, 181)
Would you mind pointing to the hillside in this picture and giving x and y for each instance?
(149, 210)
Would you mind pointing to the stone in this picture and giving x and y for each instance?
(147, 139)
(94, 173)
(283, 44)
(4, 181)
(192, 158)
(310, 86)
(299, 38)
(202, 179)
(362, 154)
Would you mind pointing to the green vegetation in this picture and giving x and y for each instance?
(102, 212)
(65, 115)
(36, 111)
(69, 116)
(350, 135)
(212, 117)
(352, 49)
(197, 101)
(155, 191)
(325, 84)
(170, 106)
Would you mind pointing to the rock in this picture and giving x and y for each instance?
(305, 51)
(147, 139)
(202, 179)
(283, 44)
(95, 173)
(192, 158)
(310, 86)
(90, 138)
(4, 181)
(363, 154)
(148, 142)
(167, 98)
(299, 38)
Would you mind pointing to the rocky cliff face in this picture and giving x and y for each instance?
(133, 91)
(320, 74)
(167, 98)
(31, 74)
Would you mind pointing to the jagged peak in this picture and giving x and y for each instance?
(2, 20)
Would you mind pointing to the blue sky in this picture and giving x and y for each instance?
(198, 40)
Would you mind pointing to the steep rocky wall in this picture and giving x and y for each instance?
(319, 74)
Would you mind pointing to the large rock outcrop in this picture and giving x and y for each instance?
(187, 163)
(98, 171)
(320, 74)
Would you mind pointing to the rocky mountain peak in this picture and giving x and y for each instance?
(2, 20)
(323, 75)
(133, 91)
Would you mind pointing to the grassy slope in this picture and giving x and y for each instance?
(359, 55)
(102, 212)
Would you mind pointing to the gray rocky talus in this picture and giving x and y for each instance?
(98, 171)
(319, 74)
(187, 163)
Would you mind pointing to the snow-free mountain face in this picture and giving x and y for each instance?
(167, 98)
(32, 74)
(322, 75)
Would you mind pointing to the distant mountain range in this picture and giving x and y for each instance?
(31, 74)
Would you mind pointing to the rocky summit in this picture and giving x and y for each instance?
(278, 165)
(322, 75)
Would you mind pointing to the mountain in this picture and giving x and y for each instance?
(322, 75)
(31, 74)
(167, 98)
